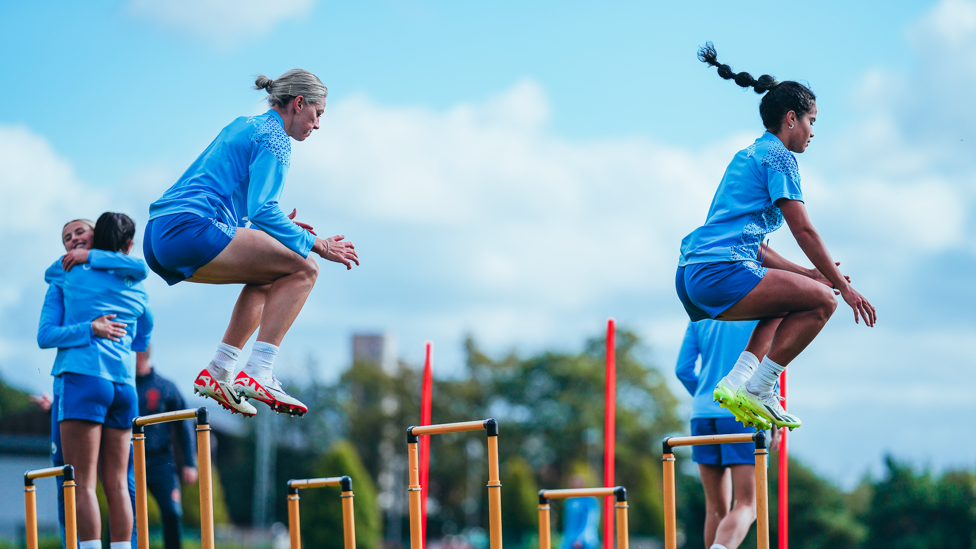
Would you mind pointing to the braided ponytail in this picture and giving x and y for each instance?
(782, 97)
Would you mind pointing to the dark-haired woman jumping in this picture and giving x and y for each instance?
(726, 273)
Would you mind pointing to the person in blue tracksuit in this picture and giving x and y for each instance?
(76, 236)
(198, 232)
(581, 520)
(725, 469)
(158, 395)
(94, 385)
(726, 272)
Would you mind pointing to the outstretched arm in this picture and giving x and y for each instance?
(687, 358)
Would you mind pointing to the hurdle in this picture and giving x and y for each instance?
(762, 486)
(494, 482)
(348, 515)
(203, 467)
(30, 504)
(545, 533)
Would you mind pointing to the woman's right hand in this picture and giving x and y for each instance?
(335, 249)
(860, 305)
(104, 327)
(78, 256)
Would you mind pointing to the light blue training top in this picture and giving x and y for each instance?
(744, 209)
(581, 520)
(110, 283)
(239, 178)
(719, 343)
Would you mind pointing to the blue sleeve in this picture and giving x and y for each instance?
(782, 174)
(144, 327)
(267, 180)
(121, 264)
(687, 357)
(50, 332)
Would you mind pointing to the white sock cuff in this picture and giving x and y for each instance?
(121, 545)
(229, 350)
(265, 349)
(749, 358)
(714, 546)
(91, 544)
(775, 366)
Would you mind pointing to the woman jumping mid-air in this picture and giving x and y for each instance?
(197, 233)
(726, 273)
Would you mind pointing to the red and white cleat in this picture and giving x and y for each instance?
(224, 393)
(269, 391)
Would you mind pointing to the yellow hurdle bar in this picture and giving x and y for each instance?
(348, 511)
(494, 480)
(30, 504)
(762, 486)
(545, 537)
(204, 469)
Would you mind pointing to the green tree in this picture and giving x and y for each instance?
(520, 500)
(321, 508)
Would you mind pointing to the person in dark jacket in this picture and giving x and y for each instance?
(157, 395)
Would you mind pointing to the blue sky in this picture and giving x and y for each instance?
(522, 172)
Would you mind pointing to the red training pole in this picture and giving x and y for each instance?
(610, 434)
(784, 477)
(425, 398)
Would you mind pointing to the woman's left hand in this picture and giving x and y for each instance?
(777, 436)
(819, 277)
(305, 226)
(78, 256)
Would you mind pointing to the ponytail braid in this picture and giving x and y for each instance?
(707, 54)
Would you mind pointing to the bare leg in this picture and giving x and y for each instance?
(717, 484)
(762, 337)
(113, 471)
(247, 314)
(734, 527)
(80, 442)
(804, 304)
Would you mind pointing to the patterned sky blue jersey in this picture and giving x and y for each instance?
(719, 343)
(239, 178)
(87, 293)
(743, 210)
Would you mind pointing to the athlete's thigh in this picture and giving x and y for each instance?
(778, 294)
(744, 484)
(252, 257)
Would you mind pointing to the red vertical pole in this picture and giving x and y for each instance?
(425, 399)
(784, 478)
(610, 434)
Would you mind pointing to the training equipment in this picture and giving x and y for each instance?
(610, 426)
(30, 503)
(765, 406)
(784, 477)
(202, 418)
(269, 391)
(623, 540)
(225, 394)
(724, 394)
(426, 395)
(494, 482)
(348, 511)
(762, 497)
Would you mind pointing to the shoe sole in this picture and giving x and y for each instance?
(728, 401)
(760, 411)
(206, 392)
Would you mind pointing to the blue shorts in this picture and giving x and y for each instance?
(708, 289)
(721, 454)
(90, 398)
(177, 245)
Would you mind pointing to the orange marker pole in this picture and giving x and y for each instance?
(425, 405)
(610, 434)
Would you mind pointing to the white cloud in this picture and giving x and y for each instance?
(222, 22)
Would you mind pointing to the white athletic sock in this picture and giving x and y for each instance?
(765, 377)
(224, 362)
(91, 544)
(743, 369)
(714, 546)
(124, 545)
(261, 362)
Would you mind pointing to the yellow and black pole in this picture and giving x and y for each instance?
(204, 469)
(762, 497)
(30, 504)
(348, 510)
(620, 494)
(494, 478)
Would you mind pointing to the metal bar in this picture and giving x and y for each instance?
(494, 496)
(578, 493)
(709, 439)
(204, 466)
(44, 473)
(416, 532)
(30, 524)
(175, 415)
(623, 537)
(670, 526)
(70, 516)
(294, 521)
(545, 533)
(448, 428)
(142, 503)
(348, 520)
(314, 482)
(762, 500)
(784, 477)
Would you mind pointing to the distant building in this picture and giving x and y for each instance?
(376, 349)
